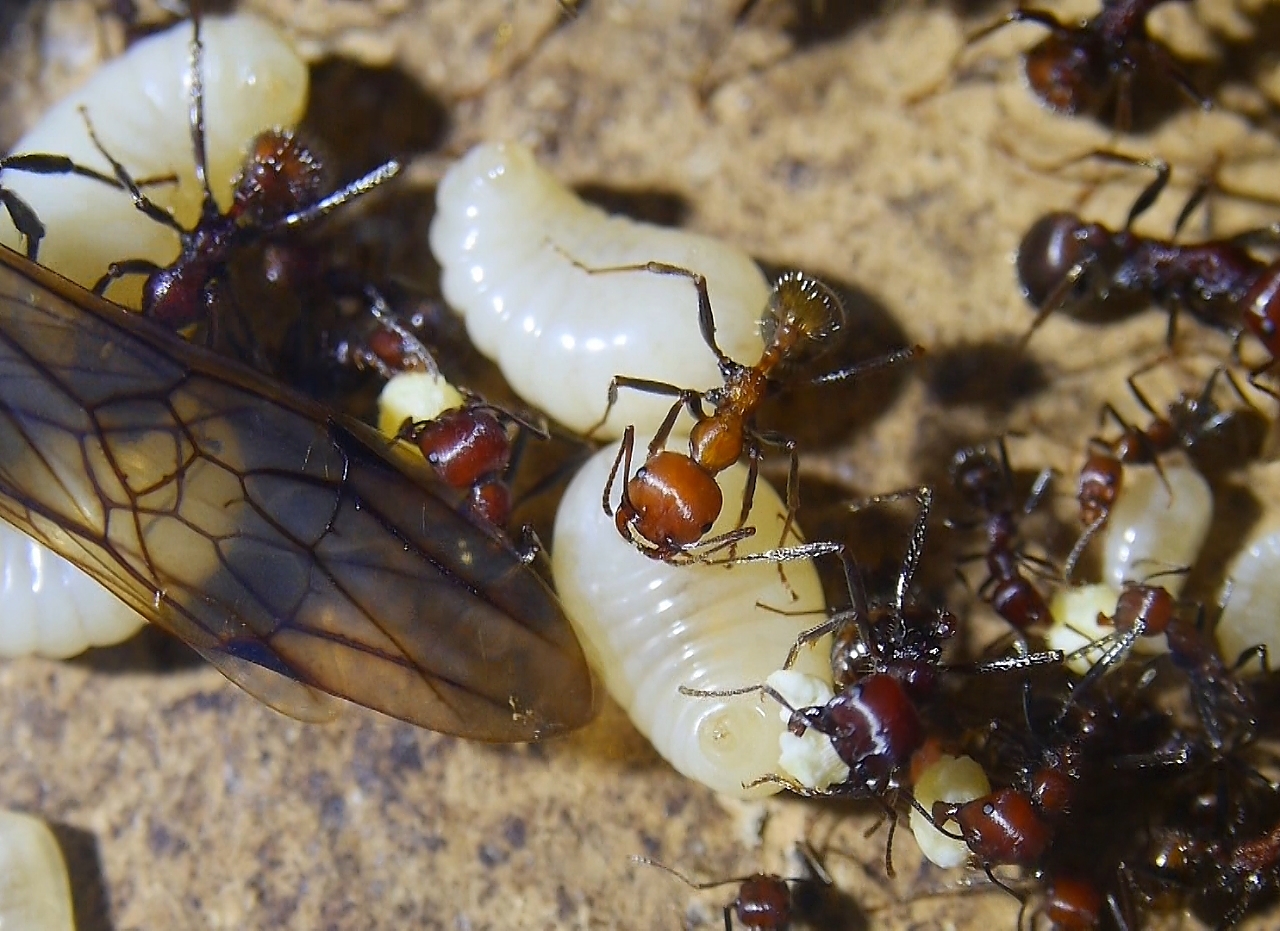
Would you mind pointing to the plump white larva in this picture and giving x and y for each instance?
(649, 628)
(560, 334)
(1149, 532)
(950, 779)
(1075, 622)
(1251, 598)
(35, 892)
(51, 607)
(414, 396)
(139, 104)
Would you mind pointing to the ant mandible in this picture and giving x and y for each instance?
(1079, 68)
(670, 503)
(1062, 258)
(276, 192)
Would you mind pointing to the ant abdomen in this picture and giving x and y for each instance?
(1052, 248)
(1262, 309)
(1065, 75)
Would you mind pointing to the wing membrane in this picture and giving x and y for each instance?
(295, 550)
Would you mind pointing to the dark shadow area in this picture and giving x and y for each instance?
(995, 376)
(89, 897)
(361, 116)
(810, 22)
(825, 416)
(1235, 514)
(1243, 61)
(661, 208)
(150, 650)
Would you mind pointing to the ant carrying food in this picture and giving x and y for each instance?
(1064, 259)
(986, 484)
(277, 191)
(1080, 68)
(669, 504)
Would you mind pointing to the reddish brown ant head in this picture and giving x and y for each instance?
(802, 316)
(465, 445)
(1149, 605)
(763, 902)
(280, 175)
(673, 500)
(1062, 69)
(1001, 828)
(1057, 246)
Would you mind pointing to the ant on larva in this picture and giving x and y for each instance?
(1080, 68)
(671, 501)
(253, 81)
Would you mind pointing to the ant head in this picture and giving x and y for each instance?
(1057, 247)
(978, 476)
(1062, 70)
(280, 176)
(802, 315)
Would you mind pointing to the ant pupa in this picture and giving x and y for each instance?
(670, 502)
(1081, 68)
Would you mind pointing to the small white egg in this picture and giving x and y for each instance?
(414, 396)
(560, 334)
(1150, 532)
(35, 891)
(1251, 598)
(810, 759)
(51, 607)
(649, 628)
(950, 779)
(139, 104)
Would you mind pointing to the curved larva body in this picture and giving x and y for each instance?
(35, 893)
(649, 628)
(51, 607)
(138, 103)
(1149, 531)
(1251, 598)
(560, 334)
(950, 779)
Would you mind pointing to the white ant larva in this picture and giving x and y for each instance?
(1154, 527)
(138, 105)
(949, 779)
(1251, 597)
(507, 234)
(35, 892)
(649, 627)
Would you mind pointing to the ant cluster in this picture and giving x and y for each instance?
(1104, 759)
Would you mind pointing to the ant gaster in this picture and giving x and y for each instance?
(670, 503)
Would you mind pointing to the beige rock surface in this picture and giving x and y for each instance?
(857, 157)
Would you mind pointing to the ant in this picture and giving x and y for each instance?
(986, 484)
(764, 900)
(670, 503)
(1068, 903)
(1190, 419)
(1063, 258)
(1079, 68)
(277, 191)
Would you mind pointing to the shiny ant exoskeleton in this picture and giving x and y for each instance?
(1063, 259)
(1080, 68)
(1189, 420)
(764, 900)
(986, 484)
(277, 191)
(670, 503)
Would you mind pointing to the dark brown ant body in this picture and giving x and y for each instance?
(1080, 68)
(1063, 258)
(277, 191)
(986, 484)
(670, 503)
(1070, 903)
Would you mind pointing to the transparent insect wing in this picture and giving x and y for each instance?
(296, 551)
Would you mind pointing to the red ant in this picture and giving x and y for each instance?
(1062, 258)
(1079, 68)
(1190, 419)
(764, 900)
(987, 485)
(276, 192)
(670, 503)
(1069, 903)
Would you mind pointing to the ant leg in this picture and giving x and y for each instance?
(687, 397)
(1039, 488)
(869, 365)
(122, 176)
(625, 449)
(200, 158)
(1021, 15)
(1077, 551)
(118, 270)
(25, 221)
(357, 188)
